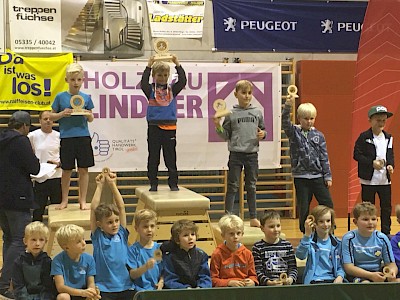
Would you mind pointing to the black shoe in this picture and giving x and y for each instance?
(174, 188)
(153, 188)
(7, 294)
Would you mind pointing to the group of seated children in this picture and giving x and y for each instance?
(117, 271)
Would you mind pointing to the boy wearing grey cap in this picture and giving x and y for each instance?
(373, 151)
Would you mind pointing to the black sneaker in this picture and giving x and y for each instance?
(174, 188)
(6, 294)
(153, 188)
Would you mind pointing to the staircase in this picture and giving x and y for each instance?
(131, 33)
(80, 35)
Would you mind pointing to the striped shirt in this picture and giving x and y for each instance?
(273, 259)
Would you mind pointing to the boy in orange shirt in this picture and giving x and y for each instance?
(232, 264)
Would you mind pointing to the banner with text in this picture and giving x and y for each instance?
(35, 25)
(178, 19)
(119, 131)
(2, 27)
(300, 26)
(31, 83)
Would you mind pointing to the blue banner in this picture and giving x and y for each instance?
(301, 26)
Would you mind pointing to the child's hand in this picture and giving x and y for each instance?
(377, 277)
(100, 179)
(390, 169)
(150, 263)
(274, 282)
(90, 293)
(338, 279)
(289, 100)
(249, 282)
(260, 134)
(111, 178)
(160, 284)
(236, 283)
(289, 281)
(328, 183)
(308, 226)
(378, 164)
(151, 61)
(67, 112)
(175, 60)
(217, 122)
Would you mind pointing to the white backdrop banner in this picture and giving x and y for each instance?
(183, 19)
(35, 26)
(119, 131)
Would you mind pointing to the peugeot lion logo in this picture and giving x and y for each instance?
(230, 24)
(327, 26)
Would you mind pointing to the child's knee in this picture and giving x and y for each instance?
(63, 296)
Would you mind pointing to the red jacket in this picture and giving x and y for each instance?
(226, 265)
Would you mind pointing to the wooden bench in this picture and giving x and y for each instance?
(172, 206)
(70, 215)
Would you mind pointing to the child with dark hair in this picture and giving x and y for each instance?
(272, 255)
(186, 266)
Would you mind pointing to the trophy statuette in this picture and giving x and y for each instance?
(77, 103)
(219, 106)
(161, 48)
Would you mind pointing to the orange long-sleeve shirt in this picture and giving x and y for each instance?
(226, 265)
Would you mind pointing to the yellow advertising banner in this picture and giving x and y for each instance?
(31, 83)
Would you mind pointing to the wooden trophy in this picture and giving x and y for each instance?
(77, 103)
(283, 278)
(219, 106)
(157, 255)
(386, 272)
(161, 48)
(292, 91)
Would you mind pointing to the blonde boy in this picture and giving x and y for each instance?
(76, 143)
(73, 269)
(272, 255)
(110, 242)
(243, 129)
(31, 271)
(309, 158)
(161, 118)
(186, 266)
(145, 269)
(366, 249)
(232, 264)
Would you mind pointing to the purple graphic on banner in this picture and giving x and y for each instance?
(262, 92)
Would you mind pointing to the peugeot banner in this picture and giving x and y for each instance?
(301, 26)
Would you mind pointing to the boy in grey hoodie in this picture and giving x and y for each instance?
(243, 129)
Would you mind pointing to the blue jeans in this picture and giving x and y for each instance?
(13, 224)
(238, 161)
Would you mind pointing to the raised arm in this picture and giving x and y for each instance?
(100, 179)
(117, 197)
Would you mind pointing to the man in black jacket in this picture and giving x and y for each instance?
(17, 162)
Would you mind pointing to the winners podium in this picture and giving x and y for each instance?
(172, 206)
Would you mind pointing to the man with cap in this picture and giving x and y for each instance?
(17, 162)
(373, 151)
